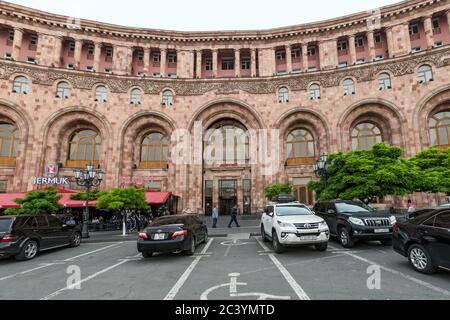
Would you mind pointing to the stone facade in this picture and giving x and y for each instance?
(124, 59)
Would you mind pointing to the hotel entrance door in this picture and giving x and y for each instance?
(228, 196)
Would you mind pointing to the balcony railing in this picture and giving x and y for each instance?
(153, 165)
(81, 163)
(300, 161)
(7, 161)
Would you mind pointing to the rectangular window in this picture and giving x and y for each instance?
(33, 40)
(172, 58)
(227, 64)
(108, 71)
(360, 61)
(11, 36)
(311, 51)
(3, 186)
(377, 37)
(296, 53)
(245, 64)
(90, 68)
(378, 58)
(31, 60)
(342, 65)
(157, 75)
(414, 29)
(312, 69)
(140, 56)
(91, 50)
(71, 46)
(342, 45)
(359, 42)
(281, 55)
(156, 57)
(436, 23)
(109, 52)
(208, 65)
(8, 56)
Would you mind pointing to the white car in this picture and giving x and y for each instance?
(293, 224)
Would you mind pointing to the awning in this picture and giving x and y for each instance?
(61, 190)
(66, 202)
(157, 198)
(7, 200)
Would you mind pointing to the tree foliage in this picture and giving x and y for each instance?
(82, 196)
(37, 203)
(275, 190)
(123, 200)
(366, 174)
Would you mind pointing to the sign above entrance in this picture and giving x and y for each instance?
(51, 177)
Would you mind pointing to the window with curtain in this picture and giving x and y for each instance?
(84, 149)
(9, 141)
(300, 147)
(154, 151)
(365, 136)
(439, 126)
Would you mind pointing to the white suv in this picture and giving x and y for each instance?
(293, 224)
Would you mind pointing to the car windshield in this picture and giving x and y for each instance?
(293, 211)
(5, 225)
(167, 221)
(353, 207)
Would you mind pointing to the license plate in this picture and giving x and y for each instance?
(159, 236)
(308, 238)
(381, 230)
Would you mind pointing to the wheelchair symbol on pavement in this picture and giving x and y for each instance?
(234, 284)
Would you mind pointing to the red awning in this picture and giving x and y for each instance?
(66, 202)
(157, 198)
(61, 190)
(7, 200)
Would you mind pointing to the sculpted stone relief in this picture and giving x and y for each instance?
(189, 87)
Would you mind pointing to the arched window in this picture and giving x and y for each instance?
(20, 85)
(283, 95)
(440, 129)
(300, 147)
(167, 98)
(101, 94)
(9, 141)
(136, 96)
(384, 82)
(227, 144)
(84, 149)
(349, 87)
(63, 90)
(154, 151)
(365, 136)
(425, 74)
(314, 92)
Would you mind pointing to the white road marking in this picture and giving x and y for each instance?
(176, 288)
(117, 245)
(294, 285)
(28, 271)
(401, 274)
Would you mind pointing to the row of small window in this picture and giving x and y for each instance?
(425, 74)
(63, 90)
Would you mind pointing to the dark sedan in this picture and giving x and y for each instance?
(173, 234)
(424, 238)
(23, 237)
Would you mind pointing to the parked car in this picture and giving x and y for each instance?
(424, 239)
(293, 224)
(23, 237)
(173, 234)
(352, 221)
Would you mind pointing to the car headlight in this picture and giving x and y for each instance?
(286, 225)
(356, 221)
(323, 224)
(393, 220)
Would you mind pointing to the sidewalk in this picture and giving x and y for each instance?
(249, 225)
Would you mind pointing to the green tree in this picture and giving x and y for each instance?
(434, 167)
(366, 174)
(37, 203)
(82, 196)
(275, 190)
(124, 201)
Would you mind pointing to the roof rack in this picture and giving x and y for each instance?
(284, 198)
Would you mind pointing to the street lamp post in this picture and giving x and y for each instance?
(321, 168)
(88, 178)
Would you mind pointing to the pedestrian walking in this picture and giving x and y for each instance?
(215, 217)
(234, 215)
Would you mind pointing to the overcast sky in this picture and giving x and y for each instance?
(205, 15)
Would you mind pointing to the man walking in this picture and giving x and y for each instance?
(234, 214)
(215, 217)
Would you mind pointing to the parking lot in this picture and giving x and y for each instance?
(236, 268)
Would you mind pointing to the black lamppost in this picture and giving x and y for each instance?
(321, 168)
(88, 178)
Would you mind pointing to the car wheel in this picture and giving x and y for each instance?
(206, 237)
(191, 250)
(147, 254)
(345, 238)
(420, 259)
(29, 251)
(76, 240)
(277, 246)
(322, 247)
(386, 242)
(263, 234)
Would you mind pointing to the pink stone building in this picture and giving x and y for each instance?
(151, 104)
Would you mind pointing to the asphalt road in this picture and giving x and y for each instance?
(237, 268)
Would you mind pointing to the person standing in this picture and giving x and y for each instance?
(234, 214)
(215, 217)
(411, 208)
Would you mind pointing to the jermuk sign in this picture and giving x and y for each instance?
(51, 173)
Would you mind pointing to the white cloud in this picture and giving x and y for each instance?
(205, 15)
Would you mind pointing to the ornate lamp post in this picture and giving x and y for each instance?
(321, 168)
(88, 178)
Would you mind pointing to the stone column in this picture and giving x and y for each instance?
(448, 18)
(77, 53)
(352, 49)
(253, 62)
(199, 66)
(390, 42)
(288, 59)
(147, 61)
(371, 45)
(97, 56)
(57, 52)
(163, 62)
(305, 64)
(428, 32)
(17, 43)
(215, 62)
(237, 62)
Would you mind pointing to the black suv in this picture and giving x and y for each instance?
(351, 221)
(23, 237)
